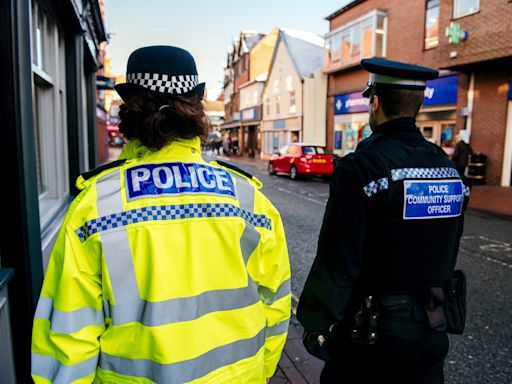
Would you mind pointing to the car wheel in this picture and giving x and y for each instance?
(271, 170)
(294, 175)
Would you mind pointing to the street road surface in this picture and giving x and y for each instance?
(484, 353)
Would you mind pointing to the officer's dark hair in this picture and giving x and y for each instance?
(400, 102)
(156, 119)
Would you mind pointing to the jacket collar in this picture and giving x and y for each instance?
(402, 124)
(183, 148)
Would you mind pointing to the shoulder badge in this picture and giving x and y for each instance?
(240, 172)
(82, 179)
(96, 171)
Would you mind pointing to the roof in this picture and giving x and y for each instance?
(346, 7)
(213, 105)
(250, 39)
(306, 50)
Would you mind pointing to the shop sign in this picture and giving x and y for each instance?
(350, 103)
(510, 90)
(236, 116)
(279, 124)
(101, 114)
(103, 82)
(338, 139)
(249, 114)
(441, 91)
(455, 33)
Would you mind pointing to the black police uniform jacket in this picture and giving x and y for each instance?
(366, 245)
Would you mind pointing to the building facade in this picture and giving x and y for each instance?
(237, 73)
(454, 38)
(293, 97)
(477, 43)
(49, 59)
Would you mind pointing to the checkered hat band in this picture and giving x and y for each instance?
(164, 83)
(424, 173)
(169, 212)
(376, 186)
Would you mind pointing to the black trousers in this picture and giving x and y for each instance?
(407, 351)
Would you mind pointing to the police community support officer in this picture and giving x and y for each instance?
(391, 230)
(167, 269)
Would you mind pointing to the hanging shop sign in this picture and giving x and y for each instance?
(350, 103)
(455, 33)
(441, 91)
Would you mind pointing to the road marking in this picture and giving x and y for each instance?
(302, 196)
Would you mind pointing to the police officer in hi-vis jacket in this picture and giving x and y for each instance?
(167, 269)
(389, 239)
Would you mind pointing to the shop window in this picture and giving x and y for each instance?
(363, 37)
(49, 87)
(465, 7)
(432, 24)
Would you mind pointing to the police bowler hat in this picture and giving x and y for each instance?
(394, 74)
(162, 69)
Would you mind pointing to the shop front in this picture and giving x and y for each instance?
(276, 133)
(350, 122)
(437, 116)
(251, 133)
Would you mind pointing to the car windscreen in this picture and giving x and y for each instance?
(313, 150)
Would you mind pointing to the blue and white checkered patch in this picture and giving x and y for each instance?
(465, 190)
(375, 186)
(170, 212)
(423, 173)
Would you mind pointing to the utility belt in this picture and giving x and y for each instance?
(413, 308)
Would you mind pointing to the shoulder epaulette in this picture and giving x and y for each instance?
(96, 171)
(234, 168)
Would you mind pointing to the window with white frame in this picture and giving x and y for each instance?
(465, 7)
(278, 104)
(267, 105)
(432, 24)
(363, 37)
(49, 89)
(293, 107)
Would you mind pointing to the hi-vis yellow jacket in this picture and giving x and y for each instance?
(167, 269)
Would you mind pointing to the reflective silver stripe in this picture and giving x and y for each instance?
(268, 297)
(245, 194)
(67, 321)
(277, 329)
(118, 257)
(249, 241)
(58, 373)
(184, 309)
(188, 370)
(108, 190)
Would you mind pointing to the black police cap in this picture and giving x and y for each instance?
(394, 74)
(163, 69)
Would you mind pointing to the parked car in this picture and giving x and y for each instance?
(301, 159)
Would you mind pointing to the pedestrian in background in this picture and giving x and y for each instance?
(461, 152)
(387, 245)
(167, 269)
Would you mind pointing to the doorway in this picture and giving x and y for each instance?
(440, 133)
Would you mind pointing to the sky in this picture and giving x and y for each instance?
(206, 28)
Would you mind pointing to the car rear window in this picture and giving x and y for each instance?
(311, 150)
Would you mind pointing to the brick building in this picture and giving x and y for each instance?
(236, 73)
(474, 82)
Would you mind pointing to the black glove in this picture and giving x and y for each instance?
(316, 344)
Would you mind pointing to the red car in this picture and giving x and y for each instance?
(299, 159)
